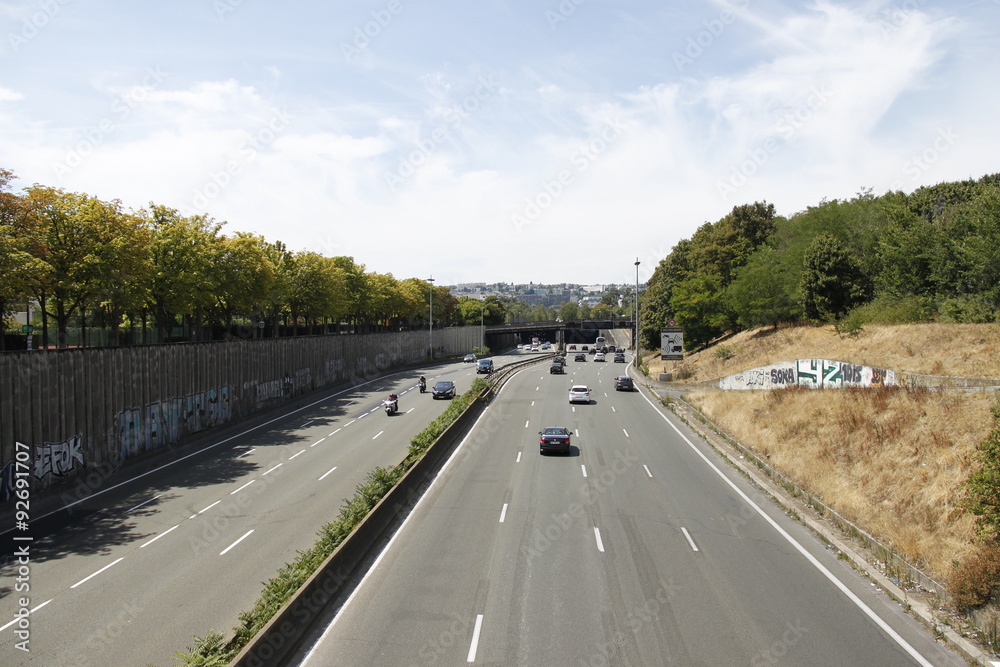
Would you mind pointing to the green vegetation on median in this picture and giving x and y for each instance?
(213, 650)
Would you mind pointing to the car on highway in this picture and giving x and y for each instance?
(620, 357)
(624, 383)
(580, 356)
(579, 393)
(484, 366)
(469, 358)
(444, 389)
(559, 359)
(557, 368)
(599, 357)
(554, 438)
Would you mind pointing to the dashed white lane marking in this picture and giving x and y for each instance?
(475, 639)
(245, 535)
(694, 547)
(600, 542)
(86, 579)
(327, 473)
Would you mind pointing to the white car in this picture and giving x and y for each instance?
(579, 393)
(599, 356)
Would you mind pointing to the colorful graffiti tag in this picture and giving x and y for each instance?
(812, 373)
(165, 422)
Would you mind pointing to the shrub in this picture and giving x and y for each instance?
(966, 310)
(974, 579)
(983, 486)
(887, 309)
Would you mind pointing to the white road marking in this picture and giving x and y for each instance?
(694, 547)
(646, 468)
(294, 455)
(349, 423)
(600, 542)
(143, 546)
(518, 458)
(525, 424)
(29, 613)
(247, 452)
(86, 579)
(798, 547)
(210, 507)
(503, 512)
(245, 535)
(145, 502)
(307, 423)
(243, 487)
(612, 407)
(584, 469)
(317, 442)
(274, 468)
(327, 473)
(625, 432)
(377, 434)
(334, 432)
(475, 639)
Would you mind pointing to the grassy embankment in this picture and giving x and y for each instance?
(894, 462)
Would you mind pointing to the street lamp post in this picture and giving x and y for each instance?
(637, 312)
(430, 320)
(482, 326)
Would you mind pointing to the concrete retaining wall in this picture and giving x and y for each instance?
(82, 411)
(812, 373)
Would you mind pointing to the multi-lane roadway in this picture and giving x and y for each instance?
(128, 576)
(639, 548)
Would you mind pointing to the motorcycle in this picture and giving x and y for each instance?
(423, 386)
(391, 406)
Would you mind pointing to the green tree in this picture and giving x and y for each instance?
(569, 311)
(832, 282)
(246, 277)
(763, 291)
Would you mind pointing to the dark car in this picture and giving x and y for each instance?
(553, 438)
(557, 367)
(580, 357)
(559, 359)
(484, 366)
(624, 383)
(444, 389)
(620, 357)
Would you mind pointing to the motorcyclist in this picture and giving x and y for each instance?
(422, 383)
(394, 400)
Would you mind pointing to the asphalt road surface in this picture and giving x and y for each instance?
(639, 548)
(130, 575)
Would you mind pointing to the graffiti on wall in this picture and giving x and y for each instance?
(58, 458)
(164, 422)
(811, 373)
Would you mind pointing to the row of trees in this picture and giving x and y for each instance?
(77, 256)
(932, 254)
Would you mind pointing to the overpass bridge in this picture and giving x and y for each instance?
(571, 332)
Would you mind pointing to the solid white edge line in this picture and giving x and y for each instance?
(245, 535)
(798, 547)
(503, 512)
(143, 546)
(327, 473)
(475, 639)
(242, 487)
(600, 542)
(86, 579)
(694, 547)
(392, 540)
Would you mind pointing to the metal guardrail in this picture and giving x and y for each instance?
(502, 374)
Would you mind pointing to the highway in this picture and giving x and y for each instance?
(642, 547)
(127, 577)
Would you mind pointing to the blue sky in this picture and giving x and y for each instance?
(492, 140)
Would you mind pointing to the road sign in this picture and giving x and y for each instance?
(672, 344)
(27, 328)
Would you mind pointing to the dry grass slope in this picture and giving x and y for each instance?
(894, 461)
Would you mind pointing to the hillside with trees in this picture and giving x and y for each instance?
(933, 255)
